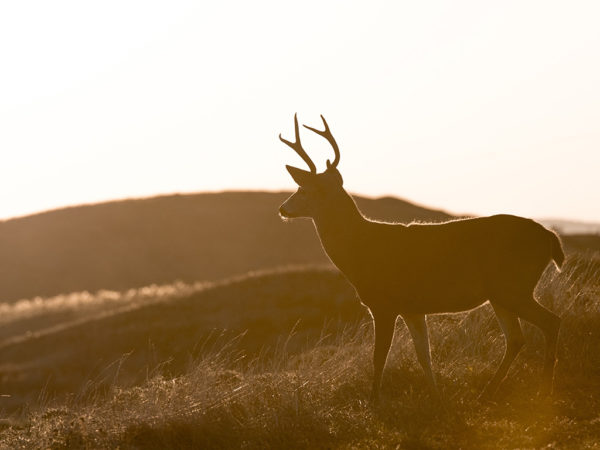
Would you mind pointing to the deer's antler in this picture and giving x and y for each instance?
(326, 133)
(297, 146)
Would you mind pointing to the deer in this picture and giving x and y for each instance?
(417, 269)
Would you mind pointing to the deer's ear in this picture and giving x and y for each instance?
(301, 177)
(335, 174)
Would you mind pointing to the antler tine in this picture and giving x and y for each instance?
(297, 146)
(326, 133)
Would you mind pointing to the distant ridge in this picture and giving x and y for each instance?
(133, 243)
(572, 226)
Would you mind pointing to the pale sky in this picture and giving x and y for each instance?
(473, 107)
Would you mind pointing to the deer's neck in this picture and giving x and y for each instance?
(340, 231)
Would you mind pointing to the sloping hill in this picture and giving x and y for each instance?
(582, 242)
(57, 345)
(315, 394)
(132, 243)
(60, 355)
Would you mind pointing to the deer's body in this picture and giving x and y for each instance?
(447, 267)
(419, 269)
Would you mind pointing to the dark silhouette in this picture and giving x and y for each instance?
(419, 269)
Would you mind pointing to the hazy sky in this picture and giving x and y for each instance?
(477, 107)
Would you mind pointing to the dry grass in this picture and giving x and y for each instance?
(62, 342)
(315, 395)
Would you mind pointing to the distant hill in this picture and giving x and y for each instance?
(571, 226)
(132, 243)
(582, 242)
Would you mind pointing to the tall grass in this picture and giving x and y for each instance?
(316, 397)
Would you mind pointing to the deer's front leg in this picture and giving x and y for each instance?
(384, 332)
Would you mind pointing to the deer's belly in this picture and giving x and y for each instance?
(439, 296)
(443, 304)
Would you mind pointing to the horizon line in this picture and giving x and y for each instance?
(582, 222)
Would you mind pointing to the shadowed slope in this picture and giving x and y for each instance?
(316, 398)
(133, 243)
(582, 242)
(78, 347)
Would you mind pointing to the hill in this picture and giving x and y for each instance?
(572, 226)
(582, 242)
(281, 359)
(57, 345)
(133, 243)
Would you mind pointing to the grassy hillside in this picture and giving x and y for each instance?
(582, 243)
(134, 243)
(58, 344)
(299, 376)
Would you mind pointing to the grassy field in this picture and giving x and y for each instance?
(283, 359)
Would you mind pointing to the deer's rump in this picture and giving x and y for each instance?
(457, 265)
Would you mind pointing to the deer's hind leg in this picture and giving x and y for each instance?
(417, 326)
(549, 323)
(513, 336)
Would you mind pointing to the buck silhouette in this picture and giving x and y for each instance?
(419, 269)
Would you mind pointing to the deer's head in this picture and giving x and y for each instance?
(317, 192)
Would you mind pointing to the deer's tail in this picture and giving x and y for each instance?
(558, 255)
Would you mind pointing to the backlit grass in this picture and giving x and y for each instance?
(311, 389)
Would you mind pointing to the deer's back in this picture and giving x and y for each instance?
(458, 264)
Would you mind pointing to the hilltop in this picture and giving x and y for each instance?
(133, 243)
